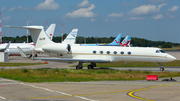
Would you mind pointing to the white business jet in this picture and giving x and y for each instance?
(93, 54)
(26, 47)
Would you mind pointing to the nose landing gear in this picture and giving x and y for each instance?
(161, 66)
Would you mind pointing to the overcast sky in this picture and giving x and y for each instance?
(157, 20)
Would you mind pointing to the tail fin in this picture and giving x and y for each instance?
(71, 38)
(125, 40)
(128, 42)
(38, 35)
(50, 31)
(116, 40)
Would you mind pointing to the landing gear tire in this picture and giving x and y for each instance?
(30, 56)
(161, 66)
(161, 69)
(35, 55)
(77, 67)
(90, 67)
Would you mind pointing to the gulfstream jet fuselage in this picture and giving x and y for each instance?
(93, 54)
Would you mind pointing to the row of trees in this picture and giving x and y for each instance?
(80, 40)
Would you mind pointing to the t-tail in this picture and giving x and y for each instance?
(71, 38)
(116, 41)
(38, 35)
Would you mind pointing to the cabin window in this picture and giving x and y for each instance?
(157, 51)
(115, 52)
(94, 52)
(129, 53)
(108, 52)
(101, 52)
(122, 52)
(162, 51)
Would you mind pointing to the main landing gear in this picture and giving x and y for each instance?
(33, 56)
(91, 66)
(161, 66)
(79, 66)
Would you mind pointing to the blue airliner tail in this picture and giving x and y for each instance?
(116, 42)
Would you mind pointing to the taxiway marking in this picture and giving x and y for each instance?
(2, 98)
(131, 94)
(55, 92)
(78, 95)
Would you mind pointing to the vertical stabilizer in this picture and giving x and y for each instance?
(71, 38)
(116, 40)
(129, 41)
(50, 31)
(38, 35)
(124, 41)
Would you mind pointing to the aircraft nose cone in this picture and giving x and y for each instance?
(170, 57)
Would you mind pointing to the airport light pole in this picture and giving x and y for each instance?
(62, 32)
(27, 30)
(0, 30)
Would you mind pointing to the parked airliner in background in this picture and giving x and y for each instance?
(126, 42)
(5, 48)
(93, 54)
(115, 42)
(26, 47)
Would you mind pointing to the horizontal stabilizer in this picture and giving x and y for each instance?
(71, 60)
(26, 27)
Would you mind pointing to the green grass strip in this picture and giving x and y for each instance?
(6, 64)
(70, 75)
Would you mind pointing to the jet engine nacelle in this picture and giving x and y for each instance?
(57, 48)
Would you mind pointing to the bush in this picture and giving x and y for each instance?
(24, 70)
(167, 46)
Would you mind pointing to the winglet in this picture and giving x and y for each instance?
(7, 46)
(22, 53)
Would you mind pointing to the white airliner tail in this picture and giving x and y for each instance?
(50, 31)
(71, 38)
(38, 35)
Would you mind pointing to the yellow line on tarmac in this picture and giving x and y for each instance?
(77, 95)
(134, 91)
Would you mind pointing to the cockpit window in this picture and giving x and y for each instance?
(162, 51)
(157, 51)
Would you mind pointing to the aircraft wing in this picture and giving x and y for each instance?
(71, 60)
(63, 60)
